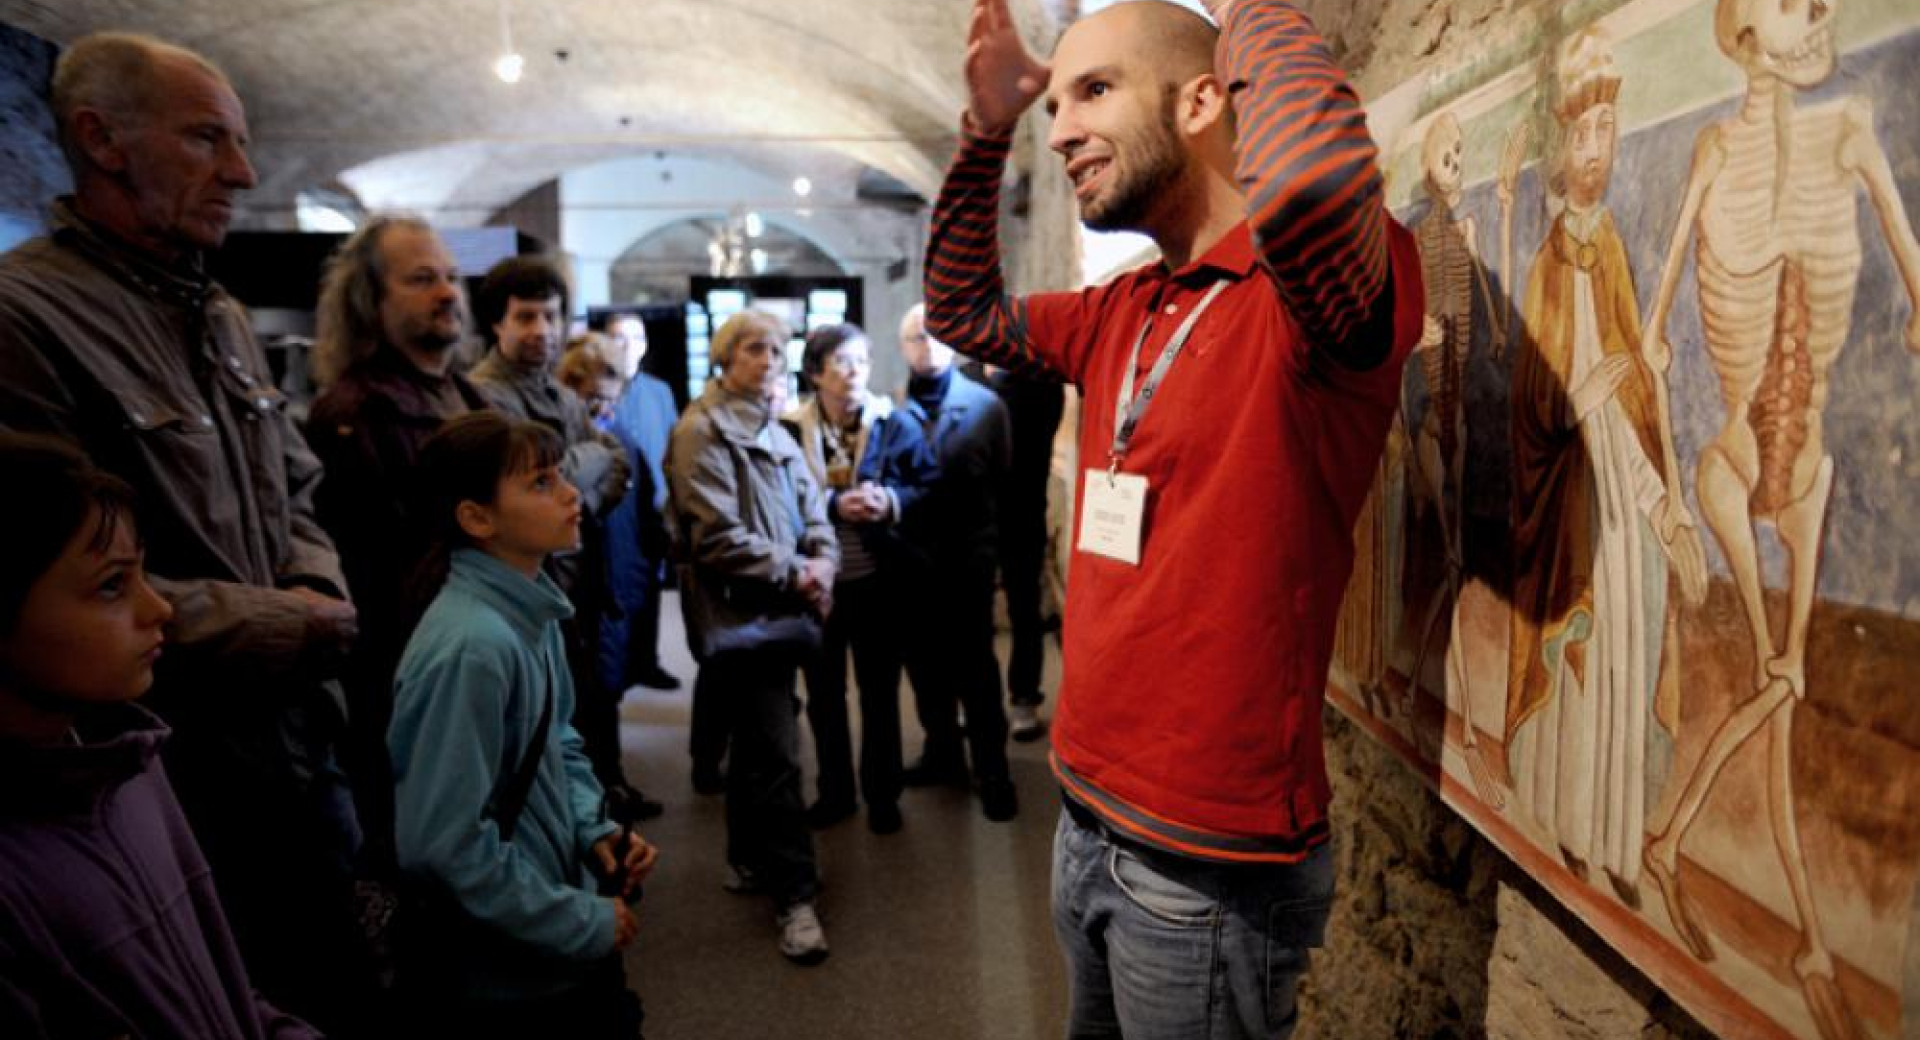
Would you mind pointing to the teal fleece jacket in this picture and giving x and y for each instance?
(467, 699)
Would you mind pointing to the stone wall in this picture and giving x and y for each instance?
(1435, 934)
(31, 169)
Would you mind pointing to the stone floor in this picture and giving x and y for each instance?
(939, 932)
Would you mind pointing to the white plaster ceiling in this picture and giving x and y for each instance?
(396, 99)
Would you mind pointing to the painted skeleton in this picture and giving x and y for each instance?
(1770, 204)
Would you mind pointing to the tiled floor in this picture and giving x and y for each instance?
(939, 932)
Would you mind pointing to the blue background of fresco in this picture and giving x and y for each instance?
(1871, 554)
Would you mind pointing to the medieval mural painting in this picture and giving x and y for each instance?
(1636, 586)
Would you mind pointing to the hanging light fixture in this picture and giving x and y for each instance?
(510, 64)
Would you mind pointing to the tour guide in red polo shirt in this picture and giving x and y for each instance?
(1237, 397)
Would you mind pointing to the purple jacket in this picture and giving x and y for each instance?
(109, 925)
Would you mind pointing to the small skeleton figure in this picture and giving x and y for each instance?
(1452, 269)
(1770, 206)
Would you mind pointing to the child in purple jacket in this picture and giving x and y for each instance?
(109, 925)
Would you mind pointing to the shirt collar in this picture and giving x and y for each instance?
(185, 282)
(529, 603)
(1231, 257)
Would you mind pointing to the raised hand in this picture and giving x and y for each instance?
(1512, 158)
(1003, 78)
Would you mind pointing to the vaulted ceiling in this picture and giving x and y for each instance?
(397, 99)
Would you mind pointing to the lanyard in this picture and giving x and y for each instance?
(1130, 408)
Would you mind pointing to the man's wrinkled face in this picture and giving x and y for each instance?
(629, 337)
(420, 302)
(1113, 123)
(185, 159)
(529, 332)
(925, 355)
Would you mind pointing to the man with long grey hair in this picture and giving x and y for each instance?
(390, 314)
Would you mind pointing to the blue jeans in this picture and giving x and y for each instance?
(1165, 947)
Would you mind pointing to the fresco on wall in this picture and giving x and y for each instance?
(1636, 586)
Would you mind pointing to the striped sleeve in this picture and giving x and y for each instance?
(968, 307)
(1308, 167)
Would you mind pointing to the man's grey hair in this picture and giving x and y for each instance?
(114, 73)
(347, 318)
(737, 330)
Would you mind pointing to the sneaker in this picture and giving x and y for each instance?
(1024, 723)
(998, 801)
(709, 779)
(802, 940)
(628, 804)
(656, 678)
(823, 814)
(740, 880)
(884, 818)
(935, 771)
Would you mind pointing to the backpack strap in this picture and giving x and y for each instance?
(513, 800)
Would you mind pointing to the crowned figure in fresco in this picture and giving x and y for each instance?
(1771, 209)
(1594, 531)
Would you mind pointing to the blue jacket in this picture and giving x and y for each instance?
(108, 920)
(893, 454)
(467, 699)
(637, 540)
(956, 528)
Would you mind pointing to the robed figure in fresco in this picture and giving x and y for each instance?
(1592, 531)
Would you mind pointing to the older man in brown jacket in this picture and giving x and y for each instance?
(112, 335)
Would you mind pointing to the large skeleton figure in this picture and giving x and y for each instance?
(1451, 266)
(1770, 203)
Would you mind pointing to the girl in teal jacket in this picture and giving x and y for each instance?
(498, 816)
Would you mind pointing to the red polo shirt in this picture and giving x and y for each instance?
(1189, 713)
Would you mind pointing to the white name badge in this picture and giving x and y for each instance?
(1111, 513)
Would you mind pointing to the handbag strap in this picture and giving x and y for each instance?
(513, 800)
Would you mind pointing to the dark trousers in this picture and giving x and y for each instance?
(643, 624)
(1023, 557)
(1034, 410)
(951, 662)
(865, 621)
(707, 734)
(282, 850)
(766, 819)
(603, 1009)
(596, 709)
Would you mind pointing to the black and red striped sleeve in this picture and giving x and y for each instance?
(968, 307)
(1315, 197)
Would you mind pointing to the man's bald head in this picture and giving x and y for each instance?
(119, 75)
(1175, 41)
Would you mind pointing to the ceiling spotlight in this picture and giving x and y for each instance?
(802, 187)
(510, 64)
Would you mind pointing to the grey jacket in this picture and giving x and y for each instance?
(154, 371)
(744, 509)
(156, 374)
(595, 462)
